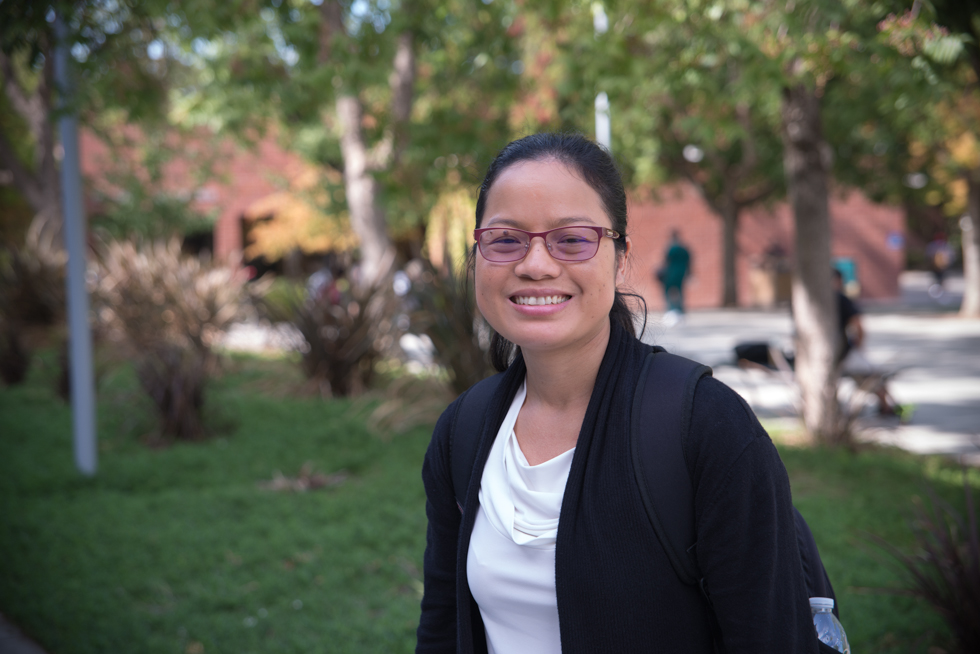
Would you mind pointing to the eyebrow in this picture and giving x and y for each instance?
(561, 222)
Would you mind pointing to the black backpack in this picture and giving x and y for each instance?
(665, 390)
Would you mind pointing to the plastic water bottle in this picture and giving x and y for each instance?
(829, 629)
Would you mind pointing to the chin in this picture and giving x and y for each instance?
(550, 339)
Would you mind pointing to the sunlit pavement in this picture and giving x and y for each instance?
(934, 354)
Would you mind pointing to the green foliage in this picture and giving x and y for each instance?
(260, 64)
(136, 211)
(680, 78)
(133, 192)
(110, 45)
(15, 216)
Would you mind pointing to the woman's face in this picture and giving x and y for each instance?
(537, 196)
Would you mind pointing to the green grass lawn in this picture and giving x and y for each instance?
(180, 550)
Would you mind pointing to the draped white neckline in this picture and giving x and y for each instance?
(510, 565)
(523, 502)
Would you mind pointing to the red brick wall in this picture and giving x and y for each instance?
(860, 230)
(240, 176)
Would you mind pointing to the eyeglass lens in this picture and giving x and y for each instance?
(567, 244)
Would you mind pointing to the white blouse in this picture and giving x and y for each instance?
(510, 566)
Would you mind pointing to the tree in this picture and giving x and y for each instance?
(27, 77)
(360, 160)
(377, 91)
(819, 46)
(929, 121)
(780, 61)
(104, 37)
(964, 18)
(689, 106)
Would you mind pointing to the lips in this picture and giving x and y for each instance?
(540, 301)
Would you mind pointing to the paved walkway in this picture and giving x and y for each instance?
(935, 352)
(12, 641)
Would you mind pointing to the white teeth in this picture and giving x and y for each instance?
(551, 299)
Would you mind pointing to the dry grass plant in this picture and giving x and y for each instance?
(306, 480)
(447, 315)
(405, 403)
(344, 339)
(32, 297)
(167, 310)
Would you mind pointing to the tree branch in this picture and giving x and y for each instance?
(331, 24)
(402, 78)
(29, 107)
(753, 197)
(750, 157)
(689, 171)
(47, 168)
(402, 83)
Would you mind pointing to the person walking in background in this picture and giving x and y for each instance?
(677, 265)
(939, 254)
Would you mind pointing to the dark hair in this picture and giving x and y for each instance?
(597, 168)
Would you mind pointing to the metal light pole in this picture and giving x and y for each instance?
(603, 127)
(73, 213)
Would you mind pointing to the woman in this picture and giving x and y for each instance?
(553, 551)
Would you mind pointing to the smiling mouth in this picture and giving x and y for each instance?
(537, 301)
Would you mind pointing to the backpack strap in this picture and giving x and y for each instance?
(464, 434)
(662, 405)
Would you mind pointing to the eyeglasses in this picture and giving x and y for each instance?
(506, 244)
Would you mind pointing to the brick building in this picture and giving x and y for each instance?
(869, 235)
(240, 177)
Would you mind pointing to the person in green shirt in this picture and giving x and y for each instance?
(677, 265)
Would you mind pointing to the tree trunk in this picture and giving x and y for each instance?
(39, 183)
(729, 216)
(970, 224)
(366, 218)
(806, 160)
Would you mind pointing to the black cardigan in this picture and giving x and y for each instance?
(615, 587)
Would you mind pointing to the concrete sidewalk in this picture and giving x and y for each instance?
(12, 641)
(935, 355)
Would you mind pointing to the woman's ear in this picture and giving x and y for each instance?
(621, 264)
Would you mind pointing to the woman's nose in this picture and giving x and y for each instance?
(538, 260)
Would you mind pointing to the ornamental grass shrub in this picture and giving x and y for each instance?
(447, 315)
(32, 297)
(166, 310)
(944, 567)
(345, 335)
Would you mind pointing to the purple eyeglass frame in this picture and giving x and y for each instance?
(601, 231)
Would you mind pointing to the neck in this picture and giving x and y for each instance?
(561, 379)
